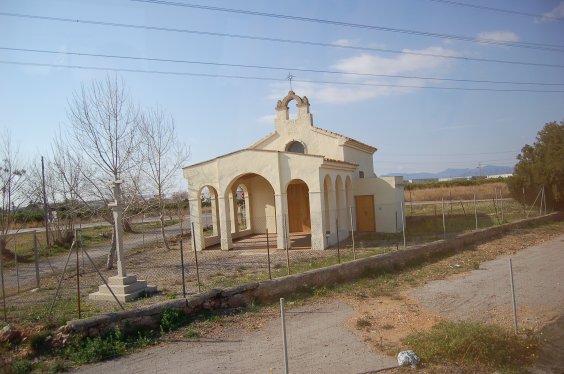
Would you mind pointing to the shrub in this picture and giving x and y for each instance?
(475, 345)
(172, 319)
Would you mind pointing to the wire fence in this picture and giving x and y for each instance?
(44, 283)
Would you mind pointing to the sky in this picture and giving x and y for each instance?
(366, 85)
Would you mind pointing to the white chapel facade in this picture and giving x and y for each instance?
(297, 179)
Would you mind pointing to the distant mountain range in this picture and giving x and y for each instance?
(458, 173)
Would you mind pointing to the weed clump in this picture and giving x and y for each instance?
(474, 345)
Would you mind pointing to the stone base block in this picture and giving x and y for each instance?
(126, 289)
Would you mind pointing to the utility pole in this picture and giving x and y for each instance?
(45, 206)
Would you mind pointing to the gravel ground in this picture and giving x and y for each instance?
(324, 338)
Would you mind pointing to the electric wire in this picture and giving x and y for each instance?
(277, 40)
(509, 11)
(531, 45)
(178, 73)
(263, 67)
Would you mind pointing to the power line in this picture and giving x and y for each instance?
(530, 45)
(450, 154)
(112, 69)
(509, 11)
(263, 67)
(276, 40)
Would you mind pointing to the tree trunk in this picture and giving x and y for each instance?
(127, 226)
(163, 230)
(4, 251)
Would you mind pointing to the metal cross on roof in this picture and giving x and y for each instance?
(290, 77)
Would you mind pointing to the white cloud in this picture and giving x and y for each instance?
(370, 87)
(343, 42)
(371, 64)
(557, 12)
(499, 36)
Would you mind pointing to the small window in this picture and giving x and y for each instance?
(360, 174)
(295, 147)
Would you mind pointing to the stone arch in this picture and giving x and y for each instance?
(300, 102)
(209, 211)
(259, 203)
(299, 215)
(295, 146)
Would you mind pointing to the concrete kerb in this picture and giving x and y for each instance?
(270, 290)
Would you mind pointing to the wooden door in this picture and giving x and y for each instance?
(365, 219)
(298, 208)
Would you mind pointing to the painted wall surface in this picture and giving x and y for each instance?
(388, 196)
(263, 212)
(364, 160)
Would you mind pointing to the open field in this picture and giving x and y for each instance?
(456, 193)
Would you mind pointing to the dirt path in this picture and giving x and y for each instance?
(348, 335)
(318, 342)
(485, 295)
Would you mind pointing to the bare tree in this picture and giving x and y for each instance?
(163, 155)
(12, 188)
(105, 126)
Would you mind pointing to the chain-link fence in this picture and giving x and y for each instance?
(40, 282)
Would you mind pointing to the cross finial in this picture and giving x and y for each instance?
(290, 77)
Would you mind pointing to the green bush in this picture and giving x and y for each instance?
(21, 367)
(96, 349)
(172, 319)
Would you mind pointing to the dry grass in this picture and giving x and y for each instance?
(484, 191)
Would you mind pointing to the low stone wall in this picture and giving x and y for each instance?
(273, 289)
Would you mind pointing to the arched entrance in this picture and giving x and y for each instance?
(209, 215)
(252, 206)
(299, 219)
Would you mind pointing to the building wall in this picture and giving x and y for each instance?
(388, 197)
(363, 159)
(261, 201)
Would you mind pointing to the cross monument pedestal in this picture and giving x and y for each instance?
(125, 287)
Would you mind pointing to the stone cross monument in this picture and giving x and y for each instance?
(124, 287)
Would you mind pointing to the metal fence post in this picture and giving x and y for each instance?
(196, 259)
(268, 255)
(3, 289)
(284, 341)
(475, 212)
(16, 262)
(36, 259)
(77, 278)
(513, 295)
(403, 224)
(143, 229)
(182, 263)
(286, 242)
(338, 246)
(352, 233)
(443, 209)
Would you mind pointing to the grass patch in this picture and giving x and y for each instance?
(474, 345)
(362, 323)
(111, 345)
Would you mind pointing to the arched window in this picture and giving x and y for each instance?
(295, 147)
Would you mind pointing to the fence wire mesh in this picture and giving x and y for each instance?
(57, 285)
